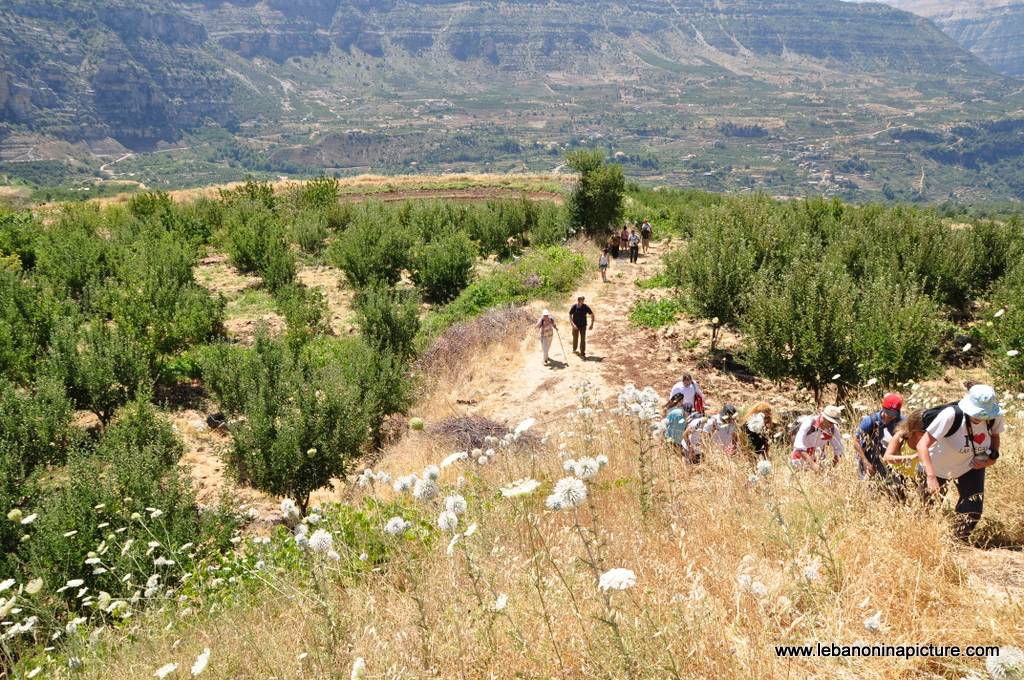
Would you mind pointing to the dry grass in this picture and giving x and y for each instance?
(428, 614)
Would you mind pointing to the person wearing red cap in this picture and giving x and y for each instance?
(874, 434)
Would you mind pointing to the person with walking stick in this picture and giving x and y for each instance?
(578, 317)
(547, 332)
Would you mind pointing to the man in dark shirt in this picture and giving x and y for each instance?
(578, 316)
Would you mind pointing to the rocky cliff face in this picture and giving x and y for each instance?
(991, 29)
(143, 70)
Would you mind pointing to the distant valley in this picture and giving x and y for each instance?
(783, 96)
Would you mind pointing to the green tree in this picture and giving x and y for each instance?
(595, 205)
(442, 268)
(389, 320)
(375, 248)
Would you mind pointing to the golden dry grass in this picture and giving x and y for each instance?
(430, 614)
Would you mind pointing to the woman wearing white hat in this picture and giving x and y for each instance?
(813, 435)
(959, 442)
(547, 333)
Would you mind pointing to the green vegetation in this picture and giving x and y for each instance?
(595, 205)
(655, 313)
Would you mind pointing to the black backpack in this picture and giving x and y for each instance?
(958, 420)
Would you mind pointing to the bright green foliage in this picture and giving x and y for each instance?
(389, 320)
(655, 313)
(304, 311)
(251, 191)
(309, 230)
(550, 225)
(595, 206)
(139, 427)
(303, 421)
(257, 242)
(317, 194)
(442, 268)
(101, 366)
(28, 313)
(18, 233)
(1007, 349)
(375, 248)
(72, 255)
(35, 425)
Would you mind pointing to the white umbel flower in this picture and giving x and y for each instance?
(455, 503)
(425, 489)
(520, 487)
(617, 579)
(874, 622)
(165, 670)
(447, 521)
(569, 492)
(1008, 664)
(358, 668)
(396, 526)
(201, 661)
(321, 541)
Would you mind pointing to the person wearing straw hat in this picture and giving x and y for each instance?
(961, 440)
(813, 435)
(547, 333)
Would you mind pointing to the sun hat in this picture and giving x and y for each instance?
(892, 404)
(833, 414)
(545, 313)
(980, 402)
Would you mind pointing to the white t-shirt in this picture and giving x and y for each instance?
(951, 456)
(809, 437)
(721, 430)
(696, 428)
(689, 392)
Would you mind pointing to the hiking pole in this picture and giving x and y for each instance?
(559, 336)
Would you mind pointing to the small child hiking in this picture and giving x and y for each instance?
(602, 264)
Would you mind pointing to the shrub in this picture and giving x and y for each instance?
(72, 256)
(500, 226)
(655, 313)
(374, 249)
(18, 232)
(309, 231)
(389, 320)
(35, 425)
(1008, 331)
(550, 226)
(28, 312)
(318, 193)
(101, 366)
(138, 427)
(303, 422)
(256, 242)
(250, 191)
(304, 311)
(595, 205)
(442, 268)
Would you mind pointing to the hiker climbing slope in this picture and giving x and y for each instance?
(578, 314)
(813, 434)
(874, 434)
(547, 333)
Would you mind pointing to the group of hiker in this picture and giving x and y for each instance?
(928, 449)
(631, 241)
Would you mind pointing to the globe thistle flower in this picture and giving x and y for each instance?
(569, 466)
(764, 467)
(500, 603)
(425, 489)
(455, 503)
(201, 661)
(758, 589)
(447, 521)
(570, 492)
(601, 459)
(812, 572)
(454, 458)
(383, 477)
(396, 526)
(1008, 664)
(365, 478)
(586, 468)
(483, 460)
(874, 622)
(404, 484)
(321, 542)
(290, 512)
(616, 579)
(520, 487)
(432, 472)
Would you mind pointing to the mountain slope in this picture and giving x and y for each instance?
(991, 29)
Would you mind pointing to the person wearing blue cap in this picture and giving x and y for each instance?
(961, 440)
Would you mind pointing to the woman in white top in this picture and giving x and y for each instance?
(547, 333)
(722, 429)
(813, 435)
(962, 440)
(690, 392)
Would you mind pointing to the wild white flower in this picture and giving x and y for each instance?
(744, 580)
(450, 550)
(570, 492)
(1012, 353)
(155, 513)
(553, 503)
(871, 383)
(358, 668)
(75, 583)
(764, 467)
(524, 426)
(601, 459)
(454, 458)
(483, 460)
(313, 518)
(520, 487)
(425, 489)
(812, 572)
(403, 484)
(165, 670)
(365, 478)
(1000, 313)
(586, 468)
(321, 542)
(752, 479)
(34, 672)
(332, 555)
(7, 605)
(162, 562)
(1008, 664)
(569, 466)
(396, 526)
(500, 603)
(617, 579)
(455, 503)
(383, 477)
(432, 472)
(967, 347)
(836, 376)
(758, 589)
(6, 585)
(30, 518)
(874, 622)
(34, 586)
(201, 661)
(470, 530)
(447, 521)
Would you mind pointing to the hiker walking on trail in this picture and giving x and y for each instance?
(873, 436)
(547, 333)
(646, 231)
(722, 429)
(602, 264)
(578, 314)
(688, 388)
(757, 428)
(624, 239)
(961, 440)
(813, 434)
(634, 246)
(675, 425)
